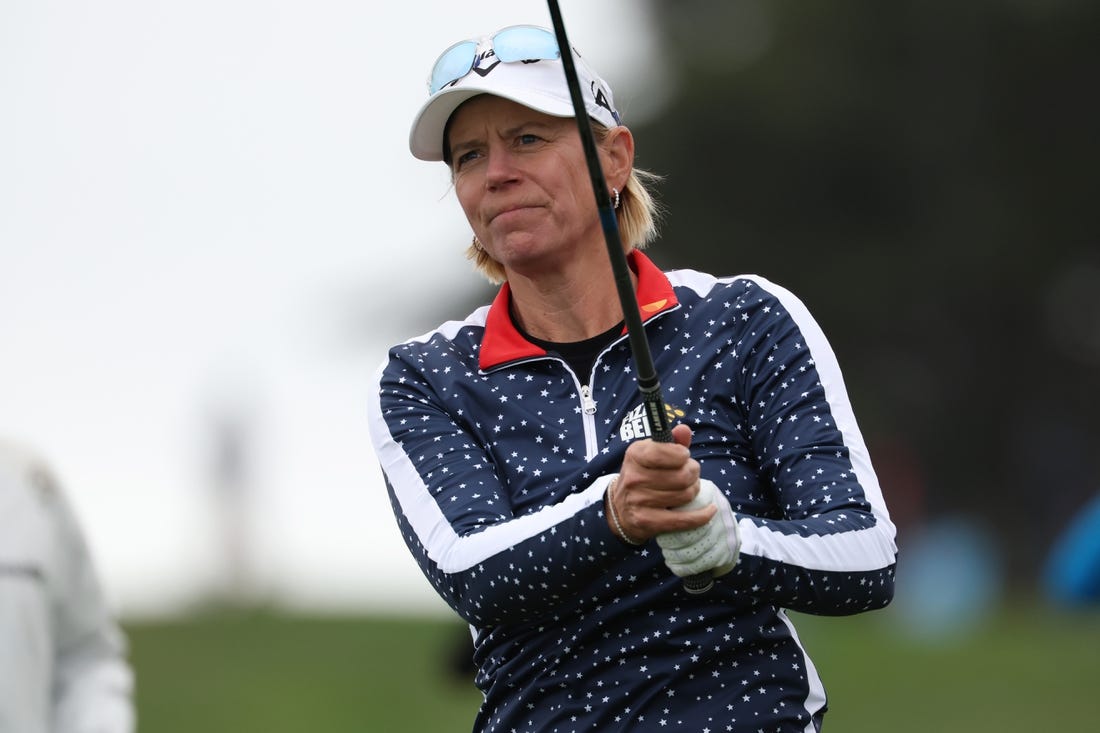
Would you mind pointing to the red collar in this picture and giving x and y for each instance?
(503, 343)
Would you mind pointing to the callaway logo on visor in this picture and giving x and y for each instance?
(486, 61)
(483, 72)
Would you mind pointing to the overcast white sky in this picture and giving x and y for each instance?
(198, 201)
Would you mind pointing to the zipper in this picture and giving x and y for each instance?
(588, 415)
(588, 405)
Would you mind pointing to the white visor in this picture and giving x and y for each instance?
(539, 85)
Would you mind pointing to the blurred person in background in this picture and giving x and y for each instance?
(63, 666)
(1071, 574)
(518, 459)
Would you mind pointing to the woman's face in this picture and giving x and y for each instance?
(522, 181)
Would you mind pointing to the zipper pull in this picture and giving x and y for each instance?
(588, 405)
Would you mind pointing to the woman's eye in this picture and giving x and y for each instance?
(528, 138)
(465, 158)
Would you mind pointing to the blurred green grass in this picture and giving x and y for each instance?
(1027, 668)
(261, 671)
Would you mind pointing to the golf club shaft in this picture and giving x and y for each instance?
(648, 384)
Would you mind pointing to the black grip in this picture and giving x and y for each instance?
(661, 428)
(701, 583)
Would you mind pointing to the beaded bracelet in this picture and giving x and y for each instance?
(614, 517)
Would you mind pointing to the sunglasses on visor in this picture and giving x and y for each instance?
(511, 44)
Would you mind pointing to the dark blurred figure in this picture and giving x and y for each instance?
(231, 439)
(63, 667)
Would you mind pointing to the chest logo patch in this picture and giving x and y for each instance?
(635, 425)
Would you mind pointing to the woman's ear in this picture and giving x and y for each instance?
(619, 156)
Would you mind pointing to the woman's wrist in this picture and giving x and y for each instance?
(615, 517)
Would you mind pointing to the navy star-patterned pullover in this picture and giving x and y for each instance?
(497, 456)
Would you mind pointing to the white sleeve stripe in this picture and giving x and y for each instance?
(815, 694)
(835, 394)
(450, 329)
(852, 551)
(444, 546)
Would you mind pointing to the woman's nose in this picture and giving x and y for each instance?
(501, 166)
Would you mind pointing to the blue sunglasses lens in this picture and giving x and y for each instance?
(522, 43)
(518, 43)
(455, 63)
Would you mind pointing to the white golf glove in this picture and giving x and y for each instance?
(714, 547)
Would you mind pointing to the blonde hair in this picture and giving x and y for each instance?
(639, 214)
